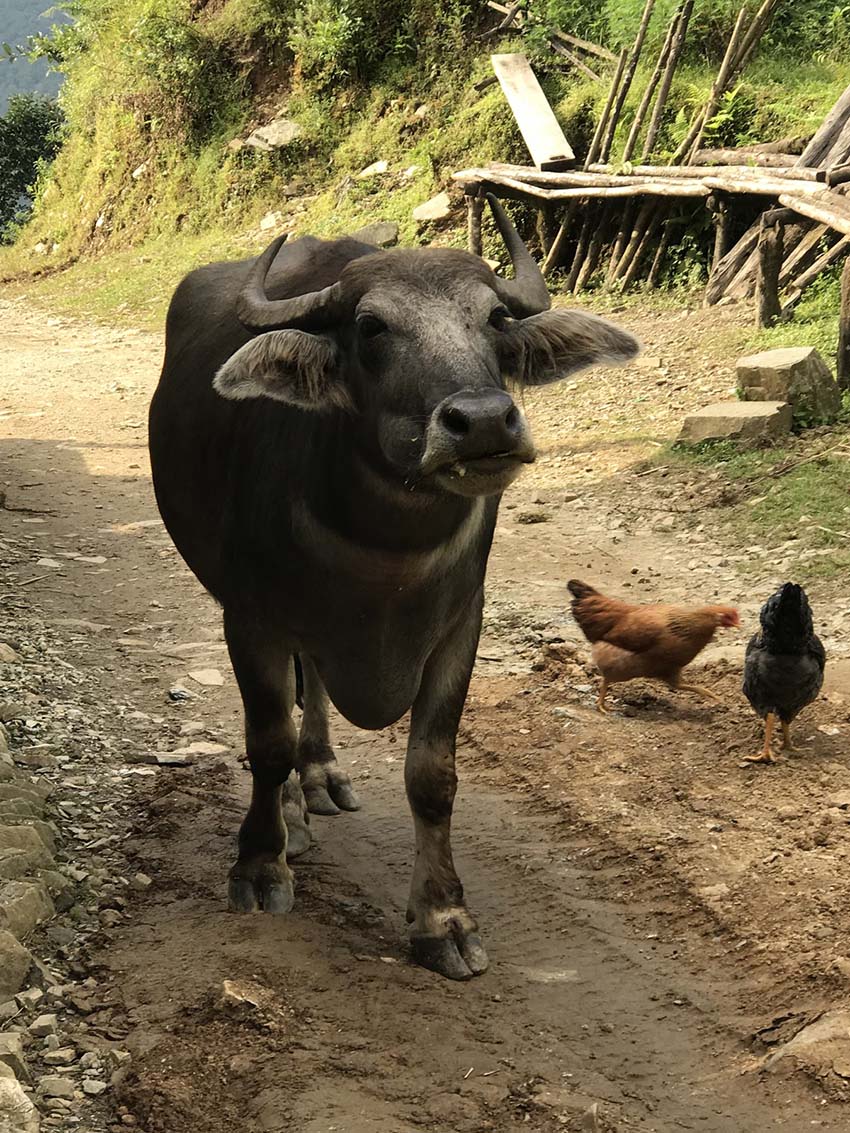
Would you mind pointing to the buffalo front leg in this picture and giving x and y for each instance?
(444, 934)
(260, 878)
(327, 788)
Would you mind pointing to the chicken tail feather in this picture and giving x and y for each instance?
(579, 589)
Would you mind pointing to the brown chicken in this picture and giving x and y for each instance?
(656, 642)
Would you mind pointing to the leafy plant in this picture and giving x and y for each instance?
(29, 139)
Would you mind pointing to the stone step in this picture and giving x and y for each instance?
(796, 374)
(737, 421)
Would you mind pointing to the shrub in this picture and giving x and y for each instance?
(29, 139)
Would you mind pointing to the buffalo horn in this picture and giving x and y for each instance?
(256, 311)
(527, 293)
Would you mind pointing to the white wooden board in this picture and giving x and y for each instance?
(539, 127)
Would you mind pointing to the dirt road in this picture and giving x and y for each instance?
(612, 982)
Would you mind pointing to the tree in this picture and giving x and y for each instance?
(29, 138)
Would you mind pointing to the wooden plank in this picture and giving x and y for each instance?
(824, 212)
(586, 45)
(538, 125)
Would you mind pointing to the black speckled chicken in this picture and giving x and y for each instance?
(783, 669)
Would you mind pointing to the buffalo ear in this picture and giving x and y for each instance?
(547, 347)
(291, 366)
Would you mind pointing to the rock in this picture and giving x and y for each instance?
(373, 170)
(94, 1088)
(141, 881)
(796, 374)
(62, 1056)
(81, 625)
(210, 678)
(737, 420)
(282, 132)
(271, 220)
(15, 962)
(43, 1026)
(532, 517)
(383, 234)
(17, 1113)
(23, 905)
(437, 209)
(819, 1044)
(493, 265)
(52, 1087)
(8, 656)
(235, 994)
(201, 747)
(12, 1054)
(139, 171)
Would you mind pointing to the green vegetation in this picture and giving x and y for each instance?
(29, 138)
(780, 495)
(153, 177)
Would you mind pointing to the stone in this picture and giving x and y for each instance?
(94, 1088)
(17, 1112)
(437, 209)
(210, 678)
(52, 1087)
(383, 234)
(23, 905)
(43, 1026)
(141, 881)
(277, 134)
(823, 1041)
(15, 962)
(271, 220)
(374, 170)
(8, 655)
(737, 421)
(62, 1056)
(26, 838)
(202, 747)
(12, 1054)
(139, 171)
(796, 374)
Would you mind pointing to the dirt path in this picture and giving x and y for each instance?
(610, 981)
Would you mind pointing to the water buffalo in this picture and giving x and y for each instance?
(330, 439)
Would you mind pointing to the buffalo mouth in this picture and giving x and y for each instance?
(482, 475)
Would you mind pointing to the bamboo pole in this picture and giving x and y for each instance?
(553, 257)
(581, 247)
(592, 259)
(802, 281)
(649, 234)
(474, 211)
(654, 79)
(667, 79)
(837, 217)
(721, 218)
(619, 244)
(661, 251)
(625, 85)
(843, 361)
(602, 124)
(694, 135)
(768, 307)
(638, 231)
(824, 137)
(586, 45)
(574, 60)
(749, 158)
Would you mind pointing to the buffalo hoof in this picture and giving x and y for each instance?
(299, 836)
(327, 790)
(458, 956)
(267, 888)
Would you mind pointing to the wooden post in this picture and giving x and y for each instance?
(474, 210)
(602, 124)
(587, 228)
(768, 307)
(625, 85)
(547, 228)
(720, 215)
(553, 257)
(592, 259)
(844, 330)
(684, 18)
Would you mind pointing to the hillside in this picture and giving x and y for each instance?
(162, 95)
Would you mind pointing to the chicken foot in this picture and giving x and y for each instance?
(766, 755)
(600, 700)
(698, 689)
(786, 738)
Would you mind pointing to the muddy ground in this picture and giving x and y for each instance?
(660, 917)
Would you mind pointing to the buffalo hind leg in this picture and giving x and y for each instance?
(327, 788)
(260, 877)
(444, 935)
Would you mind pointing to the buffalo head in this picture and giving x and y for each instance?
(420, 347)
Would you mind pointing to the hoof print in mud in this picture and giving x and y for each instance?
(457, 957)
(267, 891)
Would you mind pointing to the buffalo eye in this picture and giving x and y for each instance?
(499, 317)
(370, 326)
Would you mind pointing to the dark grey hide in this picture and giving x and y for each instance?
(330, 439)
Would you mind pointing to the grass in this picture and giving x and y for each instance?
(808, 503)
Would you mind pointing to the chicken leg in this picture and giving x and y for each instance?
(786, 738)
(704, 692)
(600, 701)
(765, 755)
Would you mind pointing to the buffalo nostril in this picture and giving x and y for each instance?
(512, 418)
(455, 420)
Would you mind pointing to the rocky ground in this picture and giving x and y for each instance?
(668, 927)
